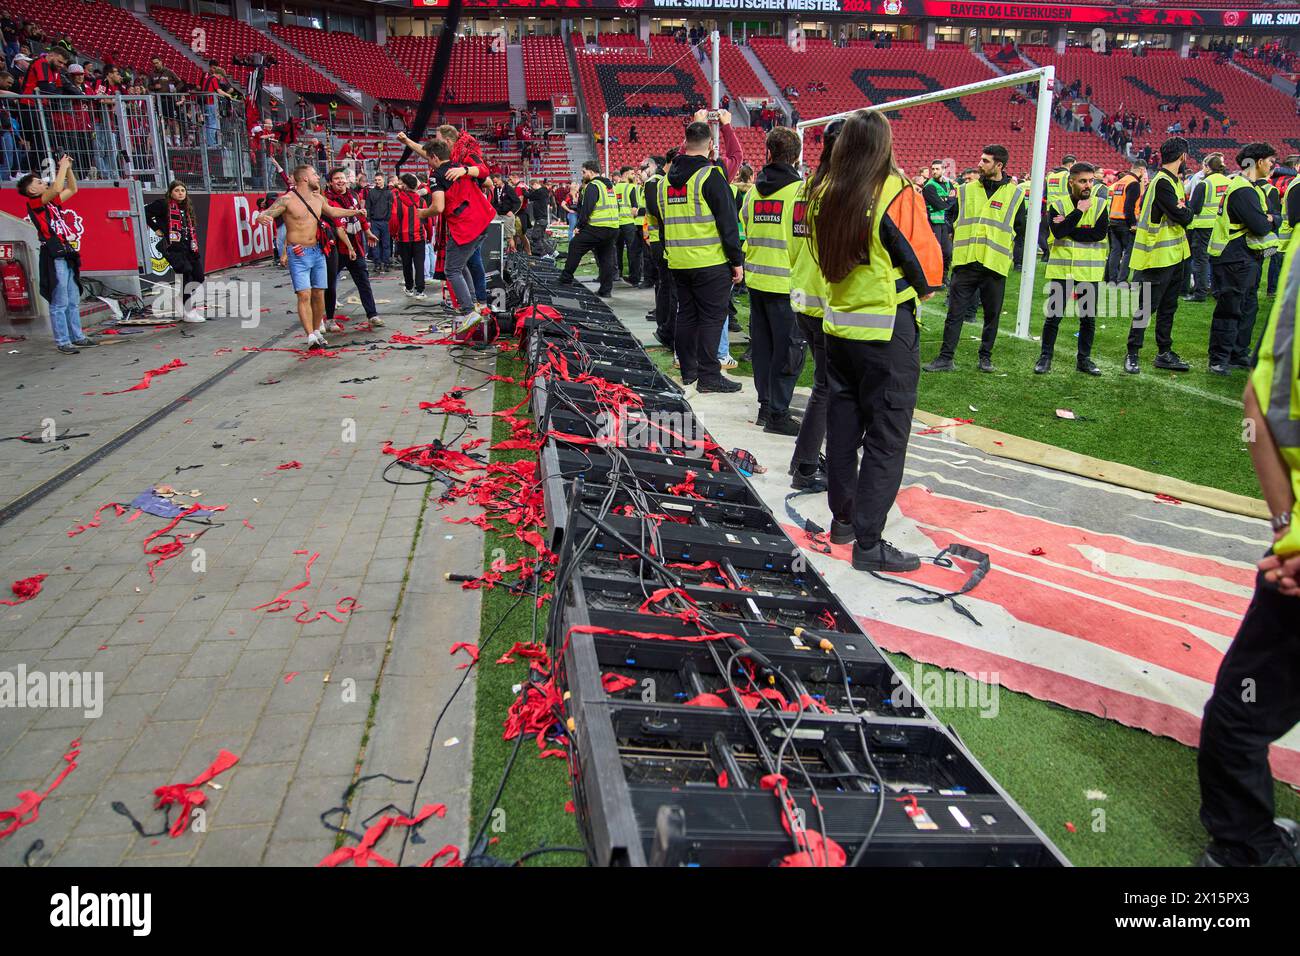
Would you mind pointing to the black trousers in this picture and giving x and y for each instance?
(1121, 247)
(1166, 285)
(1236, 305)
(943, 233)
(872, 395)
(771, 325)
(600, 242)
(1054, 310)
(360, 277)
(1256, 700)
(702, 297)
(1198, 272)
(665, 295)
(812, 430)
(966, 283)
(629, 241)
(412, 256)
(649, 270)
(188, 265)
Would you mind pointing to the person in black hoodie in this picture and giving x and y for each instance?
(597, 227)
(768, 215)
(705, 257)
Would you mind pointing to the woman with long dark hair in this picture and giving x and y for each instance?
(872, 241)
(172, 218)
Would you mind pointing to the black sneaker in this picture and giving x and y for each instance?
(69, 350)
(1219, 369)
(782, 425)
(84, 343)
(1087, 367)
(564, 280)
(721, 385)
(1043, 365)
(842, 532)
(1287, 852)
(1242, 365)
(808, 481)
(629, 281)
(733, 325)
(1170, 361)
(883, 556)
(761, 420)
(1131, 363)
(606, 295)
(986, 365)
(940, 364)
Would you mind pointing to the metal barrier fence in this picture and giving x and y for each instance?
(202, 141)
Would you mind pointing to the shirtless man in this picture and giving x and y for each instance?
(303, 207)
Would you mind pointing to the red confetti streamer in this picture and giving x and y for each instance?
(25, 589)
(281, 601)
(363, 854)
(613, 683)
(28, 809)
(468, 648)
(1037, 551)
(290, 676)
(288, 466)
(1168, 499)
(188, 795)
(149, 376)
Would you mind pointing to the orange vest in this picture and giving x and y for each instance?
(1117, 195)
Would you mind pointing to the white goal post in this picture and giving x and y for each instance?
(1045, 76)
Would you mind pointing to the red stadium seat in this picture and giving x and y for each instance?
(365, 65)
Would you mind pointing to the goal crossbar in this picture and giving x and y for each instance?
(1045, 77)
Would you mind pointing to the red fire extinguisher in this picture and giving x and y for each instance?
(16, 292)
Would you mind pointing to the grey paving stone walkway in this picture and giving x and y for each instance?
(188, 667)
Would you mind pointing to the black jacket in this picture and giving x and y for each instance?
(504, 199)
(1165, 203)
(379, 204)
(1069, 228)
(775, 177)
(717, 196)
(1243, 208)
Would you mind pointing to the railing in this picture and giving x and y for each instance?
(107, 138)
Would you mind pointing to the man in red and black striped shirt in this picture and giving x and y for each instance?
(407, 228)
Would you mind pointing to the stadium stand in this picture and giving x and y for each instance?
(227, 37)
(1200, 87)
(477, 77)
(105, 31)
(861, 73)
(546, 69)
(365, 65)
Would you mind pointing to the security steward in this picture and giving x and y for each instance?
(808, 297)
(988, 216)
(1157, 260)
(1204, 205)
(702, 243)
(940, 195)
(1076, 263)
(597, 229)
(1125, 200)
(1242, 238)
(628, 195)
(873, 243)
(664, 315)
(1055, 186)
(766, 220)
(1264, 657)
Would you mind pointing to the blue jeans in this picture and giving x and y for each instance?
(478, 274)
(212, 125)
(8, 155)
(309, 270)
(724, 343)
(573, 224)
(381, 252)
(65, 307)
(105, 151)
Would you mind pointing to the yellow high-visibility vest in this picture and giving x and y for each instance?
(767, 222)
(985, 228)
(1166, 245)
(691, 239)
(864, 304)
(605, 213)
(1225, 230)
(807, 284)
(1073, 258)
(1216, 184)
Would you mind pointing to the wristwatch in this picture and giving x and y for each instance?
(1281, 522)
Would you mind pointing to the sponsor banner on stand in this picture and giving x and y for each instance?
(100, 225)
